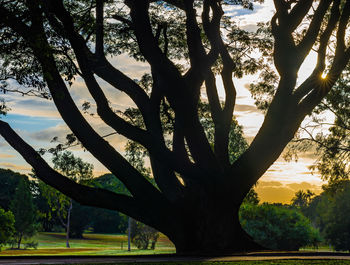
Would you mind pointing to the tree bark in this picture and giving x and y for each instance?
(214, 232)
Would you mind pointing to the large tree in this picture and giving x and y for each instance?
(198, 189)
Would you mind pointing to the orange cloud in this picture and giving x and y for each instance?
(6, 156)
(277, 192)
(21, 168)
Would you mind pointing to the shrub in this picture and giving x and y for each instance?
(31, 244)
(277, 227)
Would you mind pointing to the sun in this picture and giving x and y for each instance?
(324, 76)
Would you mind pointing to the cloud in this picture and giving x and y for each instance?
(269, 184)
(304, 186)
(48, 134)
(278, 192)
(246, 108)
(6, 156)
(275, 194)
(15, 167)
(262, 13)
(34, 107)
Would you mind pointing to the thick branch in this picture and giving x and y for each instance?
(82, 194)
(99, 49)
(310, 83)
(298, 13)
(310, 37)
(98, 64)
(182, 97)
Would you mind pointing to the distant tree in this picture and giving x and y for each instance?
(277, 227)
(252, 197)
(7, 228)
(23, 210)
(337, 219)
(108, 221)
(143, 236)
(78, 171)
(9, 181)
(302, 199)
(104, 220)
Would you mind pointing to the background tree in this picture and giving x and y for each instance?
(302, 199)
(252, 197)
(9, 181)
(142, 235)
(7, 228)
(23, 210)
(78, 171)
(198, 189)
(337, 228)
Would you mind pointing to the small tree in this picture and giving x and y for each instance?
(7, 222)
(142, 235)
(23, 210)
(77, 170)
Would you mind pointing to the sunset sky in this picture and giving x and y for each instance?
(38, 121)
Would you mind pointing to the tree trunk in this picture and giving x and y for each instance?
(19, 240)
(213, 231)
(68, 223)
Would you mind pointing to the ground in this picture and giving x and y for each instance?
(92, 244)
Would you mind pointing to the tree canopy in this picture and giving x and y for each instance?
(187, 44)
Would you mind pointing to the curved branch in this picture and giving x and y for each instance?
(82, 194)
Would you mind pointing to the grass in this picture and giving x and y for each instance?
(91, 244)
(266, 262)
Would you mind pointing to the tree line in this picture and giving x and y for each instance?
(27, 207)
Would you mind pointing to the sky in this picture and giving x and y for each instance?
(37, 121)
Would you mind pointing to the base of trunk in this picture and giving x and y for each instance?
(218, 234)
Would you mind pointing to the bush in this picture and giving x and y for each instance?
(31, 244)
(277, 227)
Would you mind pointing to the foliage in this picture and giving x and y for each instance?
(61, 205)
(23, 210)
(302, 199)
(337, 221)
(252, 197)
(9, 181)
(277, 227)
(108, 221)
(143, 235)
(7, 221)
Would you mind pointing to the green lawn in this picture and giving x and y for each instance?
(92, 244)
(267, 262)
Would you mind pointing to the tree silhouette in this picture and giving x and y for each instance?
(198, 190)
